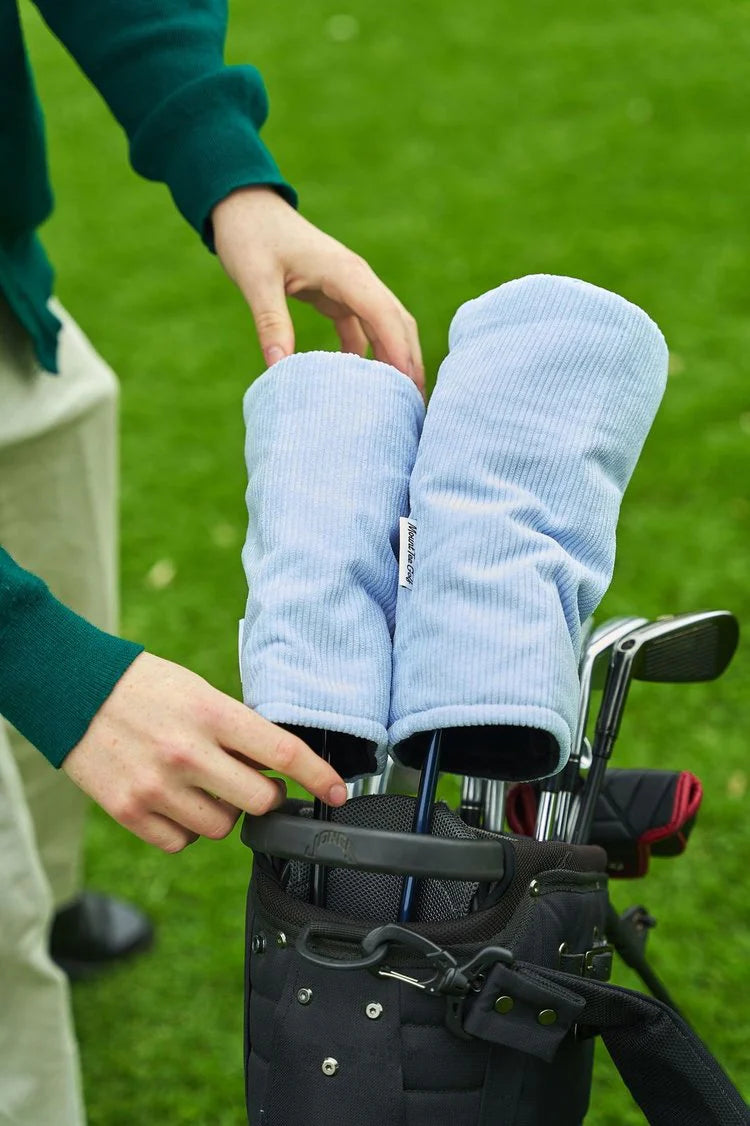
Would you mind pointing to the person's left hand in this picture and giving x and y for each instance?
(271, 253)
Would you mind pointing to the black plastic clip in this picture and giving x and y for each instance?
(373, 957)
(444, 965)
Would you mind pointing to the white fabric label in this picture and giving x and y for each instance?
(408, 532)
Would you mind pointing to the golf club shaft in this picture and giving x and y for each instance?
(562, 814)
(494, 806)
(585, 818)
(322, 812)
(546, 814)
(608, 721)
(422, 817)
(472, 796)
(597, 646)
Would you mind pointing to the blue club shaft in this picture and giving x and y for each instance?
(422, 817)
(321, 812)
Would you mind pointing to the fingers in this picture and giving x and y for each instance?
(167, 835)
(200, 813)
(391, 330)
(247, 734)
(269, 250)
(232, 779)
(395, 341)
(263, 289)
(388, 326)
(352, 335)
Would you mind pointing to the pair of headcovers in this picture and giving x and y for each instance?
(512, 482)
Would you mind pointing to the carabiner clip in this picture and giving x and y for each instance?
(444, 964)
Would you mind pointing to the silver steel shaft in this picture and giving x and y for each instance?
(494, 806)
(472, 800)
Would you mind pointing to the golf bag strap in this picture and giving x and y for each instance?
(668, 1070)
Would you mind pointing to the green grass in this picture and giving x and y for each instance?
(454, 147)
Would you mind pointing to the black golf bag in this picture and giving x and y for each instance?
(482, 1011)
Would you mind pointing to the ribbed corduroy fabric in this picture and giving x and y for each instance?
(331, 441)
(538, 417)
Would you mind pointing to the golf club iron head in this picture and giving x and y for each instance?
(686, 648)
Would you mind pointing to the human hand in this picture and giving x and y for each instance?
(271, 253)
(172, 758)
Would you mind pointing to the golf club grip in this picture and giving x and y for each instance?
(373, 850)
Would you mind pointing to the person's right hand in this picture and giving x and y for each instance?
(271, 252)
(172, 758)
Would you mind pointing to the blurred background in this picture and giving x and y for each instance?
(454, 147)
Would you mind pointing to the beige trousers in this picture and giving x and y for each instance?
(58, 487)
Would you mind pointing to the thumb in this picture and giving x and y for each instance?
(265, 295)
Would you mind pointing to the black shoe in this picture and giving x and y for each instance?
(95, 931)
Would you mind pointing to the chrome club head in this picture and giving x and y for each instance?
(678, 650)
(683, 649)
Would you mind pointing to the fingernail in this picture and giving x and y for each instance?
(337, 794)
(273, 354)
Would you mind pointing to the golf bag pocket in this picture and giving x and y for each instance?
(331, 441)
(639, 814)
(352, 1019)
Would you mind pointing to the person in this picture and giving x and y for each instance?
(164, 753)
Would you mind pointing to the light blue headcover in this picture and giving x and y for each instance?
(331, 441)
(538, 417)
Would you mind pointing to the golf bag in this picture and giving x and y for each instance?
(483, 1011)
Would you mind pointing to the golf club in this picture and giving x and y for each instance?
(494, 805)
(321, 812)
(557, 792)
(422, 816)
(682, 649)
(593, 673)
(472, 799)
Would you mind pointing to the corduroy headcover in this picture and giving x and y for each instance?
(539, 415)
(331, 441)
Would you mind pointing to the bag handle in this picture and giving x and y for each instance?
(284, 833)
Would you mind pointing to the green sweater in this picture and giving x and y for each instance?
(192, 123)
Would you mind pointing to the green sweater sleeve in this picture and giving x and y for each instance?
(192, 122)
(56, 669)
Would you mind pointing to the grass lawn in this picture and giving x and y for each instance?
(454, 146)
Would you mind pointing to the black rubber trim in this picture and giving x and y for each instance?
(373, 850)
